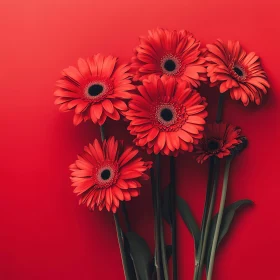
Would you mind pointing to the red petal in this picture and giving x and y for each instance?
(98, 150)
(118, 193)
(122, 184)
(92, 115)
(119, 104)
(84, 68)
(161, 140)
(175, 140)
(127, 155)
(195, 120)
(152, 134)
(185, 136)
(108, 106)
(97, 110)
(126, 195)
(190, 128)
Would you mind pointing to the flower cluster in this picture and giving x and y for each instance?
(158, 95)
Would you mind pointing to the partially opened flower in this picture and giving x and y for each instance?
(97, 89)
(219, 140)
(173, 53)
(231, 68)
(166, 116)
(106, 174)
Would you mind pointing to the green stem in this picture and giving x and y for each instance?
(157, 259)
(163, 252)
(173, 216)
(219, 219)
(102, 133)
(209, 216)
(159, 221)
(199, 260)
(121, 245)
(126, 219)
(209, 202)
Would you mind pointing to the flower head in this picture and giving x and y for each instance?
(219, 140)
(172, 53)
(166, 116)
(230, 67)
(105, 174)
(96, 89)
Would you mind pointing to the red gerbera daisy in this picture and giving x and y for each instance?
(218, 140)
(102, 176)
(233, 69)
(173, 53)
(95, 90)
(166, 116)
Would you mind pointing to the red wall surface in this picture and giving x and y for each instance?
(44, 234)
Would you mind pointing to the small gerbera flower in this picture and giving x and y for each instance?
(173, 53)
(230, 67)
(104, 175)
(219, 140)
(166, 116)
(96, 89)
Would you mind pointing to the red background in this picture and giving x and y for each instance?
(44, 234)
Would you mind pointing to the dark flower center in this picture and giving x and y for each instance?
(238, 71)
(169, 65)
(105, 174)
(213, 145)
(166, 114)
(95, 90)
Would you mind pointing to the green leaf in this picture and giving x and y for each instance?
(189, 220)
(140, 254)
(229, 213)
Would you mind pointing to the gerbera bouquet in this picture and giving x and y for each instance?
(157, 94)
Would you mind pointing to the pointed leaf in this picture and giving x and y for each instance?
(229, 213)
(140, 254)
(189, 220)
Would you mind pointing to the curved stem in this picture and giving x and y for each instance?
(219, 219)
(121, 245)
(173, 216)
